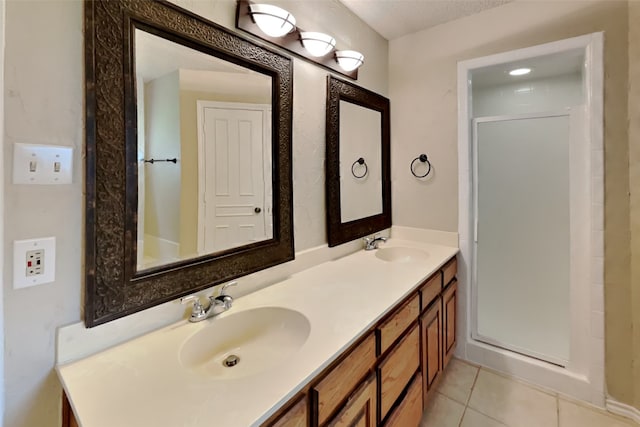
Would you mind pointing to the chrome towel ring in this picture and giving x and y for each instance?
(423, 159)
(360, 162)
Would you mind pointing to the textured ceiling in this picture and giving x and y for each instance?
(396, 18)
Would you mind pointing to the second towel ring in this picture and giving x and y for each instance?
(423, 158)
(361, 162)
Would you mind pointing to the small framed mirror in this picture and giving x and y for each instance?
(188, 156)
(358, 162)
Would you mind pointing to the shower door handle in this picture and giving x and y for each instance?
(475, 229)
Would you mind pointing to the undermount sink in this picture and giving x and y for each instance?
(401, 254)
(245, 343)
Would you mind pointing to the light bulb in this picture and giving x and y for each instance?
(519, 71)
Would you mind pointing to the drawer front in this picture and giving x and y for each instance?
(360, 410)
(297, 416)
(449, 271)
(398, 322)
(431, 289)
(397, 369)
(409, 412)
(340, 382)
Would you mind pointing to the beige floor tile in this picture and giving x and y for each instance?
(512, 403)
(473, 418)
(442, 412)
(573, 415)
(458, 381)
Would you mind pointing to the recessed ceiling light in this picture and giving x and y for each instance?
(519, 71)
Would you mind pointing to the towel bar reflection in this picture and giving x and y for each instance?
(152, 161)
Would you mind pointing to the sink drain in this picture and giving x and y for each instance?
(231, 361)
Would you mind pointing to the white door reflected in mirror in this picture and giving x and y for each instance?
(214, 117)
(234, 201)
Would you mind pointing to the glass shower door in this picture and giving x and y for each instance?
(521, 276)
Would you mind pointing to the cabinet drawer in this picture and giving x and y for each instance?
(398, 322)
(430, 290)
(360, 410)
(409, 412)
(337, 384)
(449, 271)
(397, 369)
(295, 417)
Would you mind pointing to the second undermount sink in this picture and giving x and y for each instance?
(245, 343)
(401, 254)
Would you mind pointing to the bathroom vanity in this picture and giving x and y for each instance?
(390, 373)
(361, 340)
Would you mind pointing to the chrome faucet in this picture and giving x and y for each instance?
(371, 243)
(217, 305)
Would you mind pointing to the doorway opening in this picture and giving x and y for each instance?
(530, 187)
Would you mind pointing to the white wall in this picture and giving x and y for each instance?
(360, 136)
(44, 104)
(162, 180)
(422, 71)
(2, 24)
(534, 96)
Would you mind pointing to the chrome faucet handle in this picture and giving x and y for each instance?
(223, 297)
(197, 311)
(223, 291)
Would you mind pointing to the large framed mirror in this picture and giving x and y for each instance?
(188, 146)
(358, 162)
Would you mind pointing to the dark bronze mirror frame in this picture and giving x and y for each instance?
(113, 287)
(337, 231)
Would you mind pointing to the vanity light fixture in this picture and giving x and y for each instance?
(317, 44)
(272, 20)
(349, 60)
(520, 71)
(278, 27)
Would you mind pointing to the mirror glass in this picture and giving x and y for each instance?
(360, 162)
(204, 153)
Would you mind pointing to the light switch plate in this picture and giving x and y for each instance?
(25, 275)
(42, 164)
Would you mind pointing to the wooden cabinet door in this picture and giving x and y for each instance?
(449, 301)
(431, 327)
(297, 416)
(360, 410)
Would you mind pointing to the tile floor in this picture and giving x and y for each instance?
(469, 396)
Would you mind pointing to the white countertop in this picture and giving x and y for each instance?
(142, 383)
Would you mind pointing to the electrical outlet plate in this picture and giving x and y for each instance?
(42, 164)
(26, 254)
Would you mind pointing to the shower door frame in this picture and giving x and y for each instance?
(583, 377)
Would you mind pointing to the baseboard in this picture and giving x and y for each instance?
(622, 409)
